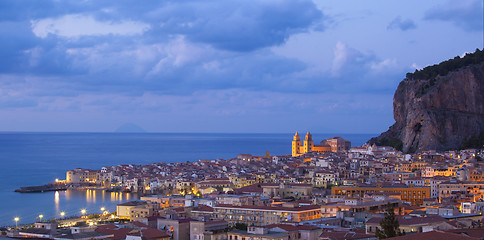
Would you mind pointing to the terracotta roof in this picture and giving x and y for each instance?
(434, 235)
(132, 203)
(300, 185)
(410, 220)
(288, 227)
(269, 208)
(477, 233)
(152, 233)
(203, 208)
(217, 179)
(344, 235)
(119, 233)
(250, 188)
(139, 224)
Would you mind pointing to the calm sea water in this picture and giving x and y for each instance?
(38, 158)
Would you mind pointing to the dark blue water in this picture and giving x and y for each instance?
(38, 158)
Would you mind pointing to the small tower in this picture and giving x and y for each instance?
(296, 145)
(308, 143)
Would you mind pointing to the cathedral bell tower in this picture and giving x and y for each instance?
(308, 143)
(296, 145)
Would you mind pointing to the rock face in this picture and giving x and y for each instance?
(438, 113)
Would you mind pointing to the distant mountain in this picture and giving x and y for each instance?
(130, 128)
(439, 107)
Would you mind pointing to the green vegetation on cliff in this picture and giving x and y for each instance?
(445, 67)
(391, 142)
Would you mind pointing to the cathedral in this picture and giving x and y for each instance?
(336, 144)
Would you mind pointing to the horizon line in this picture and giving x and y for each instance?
(147, 132)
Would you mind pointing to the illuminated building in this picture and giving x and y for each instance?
(412, 194)
(296, 191)
(361, 205)
(259, 215)
(80, 175)
(134, 209)
(277, 231)
(336, 144)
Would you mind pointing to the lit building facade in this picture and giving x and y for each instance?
(414, 195)
(261, 215)
(336, 144)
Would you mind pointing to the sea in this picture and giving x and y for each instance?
(30, 159)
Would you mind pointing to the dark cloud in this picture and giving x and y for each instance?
(237, 25)
(186, 46)
(467, 15)
(36, 41)
(15, 39)
(403, 25)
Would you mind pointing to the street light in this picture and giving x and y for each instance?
(62, 214)
(83, 211)
(40, 217)
(16, 219)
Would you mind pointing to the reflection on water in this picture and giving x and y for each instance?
(56, 200)
(71, 202)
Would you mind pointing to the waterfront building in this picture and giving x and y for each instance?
(80, 175)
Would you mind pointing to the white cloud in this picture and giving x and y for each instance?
(415, 66)
(341, 54)
(383, 65)
(176, 53)
(74, 26)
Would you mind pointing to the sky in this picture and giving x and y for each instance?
(222, 66)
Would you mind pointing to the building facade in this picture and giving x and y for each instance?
(414, 195)
(336, 144)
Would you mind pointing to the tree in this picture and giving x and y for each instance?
(241, 226)
(389, 225)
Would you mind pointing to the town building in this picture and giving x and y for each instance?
(414, 195)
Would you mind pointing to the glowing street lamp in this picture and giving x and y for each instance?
(62, 214)
(102, 209)
(40, 217)
(16, 219)
(83, 211)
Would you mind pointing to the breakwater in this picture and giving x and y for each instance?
(43, 188)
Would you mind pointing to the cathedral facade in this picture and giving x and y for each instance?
(336, 144)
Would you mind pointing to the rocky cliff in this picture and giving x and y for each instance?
(438, 113)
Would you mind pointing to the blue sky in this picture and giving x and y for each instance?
(220, 66)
